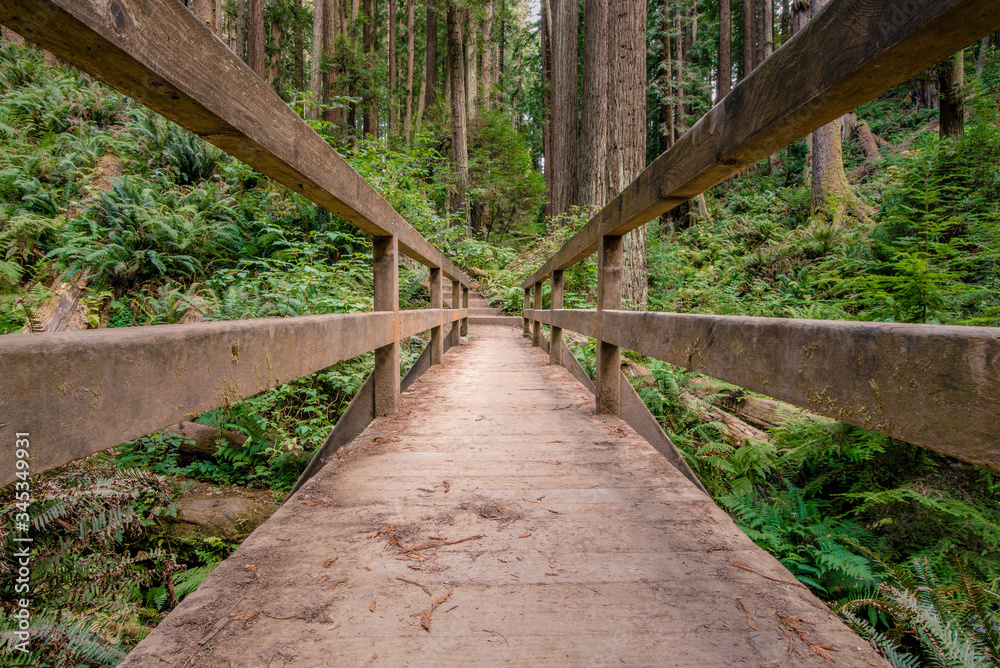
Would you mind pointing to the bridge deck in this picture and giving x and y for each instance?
(583, 547)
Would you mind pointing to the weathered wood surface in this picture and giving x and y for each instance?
(78, 393)
(589, 549)
(158, 53)
(201, 440)
(847, 54)
(932, 386)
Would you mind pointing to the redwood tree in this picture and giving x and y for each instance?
(593, 185)
(563, 125)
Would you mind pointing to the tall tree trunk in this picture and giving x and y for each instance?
(759, 32)
(546, 49)
(593, 186)
(370, 97)
(487, 78)
(767, 37)
(565, 36)
(408, 118)
(331, 31)
(831, 195)
(471, 65)
(984, 47)
(316, 73)
(503, 45)
(393, 20)
(951, 76)
(255, 36)
(749, 38)
(680, 115)
(299, 42)
(430, 59)
(274, 63)
(627, 132)
(786, 21)
(667, 121)
(725, 50)
(241, 28)
(459, 141)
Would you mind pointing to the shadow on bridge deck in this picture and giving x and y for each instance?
(497, 520)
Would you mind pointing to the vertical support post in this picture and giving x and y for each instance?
(556, 299)
(609, 297)
(526, 304)
(456, 325)
(536, 334)
(385, 256)
(437, 340)
(465, 305)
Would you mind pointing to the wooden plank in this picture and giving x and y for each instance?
(158, 53)
(77, 393)
(574, 320)
(385, 262)
(933, 386)
(848, 54)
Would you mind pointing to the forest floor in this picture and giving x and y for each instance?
(498, 519)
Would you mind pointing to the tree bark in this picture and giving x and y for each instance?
(768, 35)
(546, 54)
(487, 78)
(370, 98)
(593, 186)
(201, 440)
(749, 38)
(393, 20)
(204, 10)
(667, 120)
(459, 141)
(430, 60)
(627, 132)
(408, 118)
(241, 28)
(984, 47)
(725, 50)
(274, 63)
(565, 36)
(316, 73)
(951, 78)
(471, 43)
(255, 37)
(868, 142)
(332, 28)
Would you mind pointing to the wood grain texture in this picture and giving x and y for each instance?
(158, 53)
(933, 386)
(847, 55)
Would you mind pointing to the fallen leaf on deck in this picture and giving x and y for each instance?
(372, 606)
(326, 564)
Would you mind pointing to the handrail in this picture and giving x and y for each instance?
(81, 392)
(933, 386)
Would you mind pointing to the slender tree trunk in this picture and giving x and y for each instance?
(331, 31)
(503, 45)
(831, 195)
(255, 37)
(627, 132)
(299, 42)
(408, 118)
(459, 142)
(316, 73)
(667, 121)
(725, 50)
(759, 32)
(370, 99)
(274, 62)
(768, 34)
(749, 38)
(984, 46)
(565, 36)
(471, 65)
(680, 114)
(951, 75)
(241, 28)
(430, 59)
(487, 78)
(546, 49)
(393, 20)
(593, 186)
(786, 21)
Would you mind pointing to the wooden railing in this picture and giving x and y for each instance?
(934, 386)
(77, 393)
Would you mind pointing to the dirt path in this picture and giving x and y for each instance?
(495, 522)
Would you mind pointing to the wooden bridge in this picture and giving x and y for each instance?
(486, 509)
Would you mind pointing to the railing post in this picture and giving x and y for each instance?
(526, 304)
(456, 325)
(437, 340)
(385, 257)
(555, 336)
(536, 335)
(465, 304)
(609, 296)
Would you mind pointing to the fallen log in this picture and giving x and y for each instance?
(736, 429)
(757, 411)
(201, 440)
